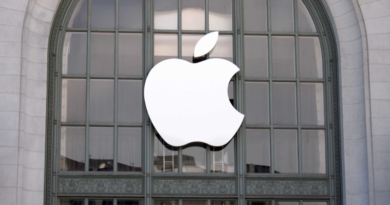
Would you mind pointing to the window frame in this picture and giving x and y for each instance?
(333, 177)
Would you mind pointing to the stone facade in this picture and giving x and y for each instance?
(362, 29)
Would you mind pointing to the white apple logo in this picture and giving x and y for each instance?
(189, 102)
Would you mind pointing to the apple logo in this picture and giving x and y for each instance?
(188, 102)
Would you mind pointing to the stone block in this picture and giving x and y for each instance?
(8, 155)
(382, 179)
(9, 120)
(11, 17)
(8, 195)
(9, 138)
(8, 175)
(380, 90)
(10, 49)
(9, 102)
(10, 33)
(10, 66)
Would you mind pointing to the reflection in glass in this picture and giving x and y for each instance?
(165, 47)
(220, 15)
(305, 22)
(79, 17)
(103, 14)
(130, 101)
(256, 103)
(255, 15)
(313, 151)
(101, 101)
(257, 151)
(130, 54)
(188, 45)
(165, 202)
(223, 48)
(194, 158)
(285, 151)
(74, 56)
(310, 57)
(165, 14)
(71, 201)
(101, 148)
(222, 158)
(128, 202)
(258, 203)
(256, 56)
(222, 202)
(130, 14)
(193, 14)
(72, 149)
(100, 202)
(312, 104)
(231, 92)
(129, 149)
(284, 103)
(73, 99)
(194, 202)
(286, 203)
(283, 57)
(165, 156)
(102, 53)
(314, 203)
(282, 15)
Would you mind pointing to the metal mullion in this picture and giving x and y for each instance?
(179, 43)
(207, 16)
(271, 129)
(298, 87)
(101, 77)
(88, 89)
(166, 31)
(308, 80)
(208, 160)
(77, 29)
(129, 31)
(124, 77)
(74, 76)
(116, 88)
(130, 125)
(148, 130)
(102, 30)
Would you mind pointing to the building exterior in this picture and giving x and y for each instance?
(37, 166)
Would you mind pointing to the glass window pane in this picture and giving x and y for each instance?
(74, 56)
(73, 99)
(165, 202)
(165, 14)
(283, 57)
(101, 101)
(128, 202)
(255, 15)
(282, 15)
(194, 158)
(72, 149)
(193, 14)
(194, 202)
(256, 56)
(129, 149)
(305, 22)
(165, 156)
(285, 151)
(130, 14)
(257, 151)
(130, 54)
(100, 202)
(256, 103)
(71, 201)
(130, 101)
(101, 148)
(258, 203)
(188, 45)
(79, 17)
(315, 203)
(220, 15)
(312, 104)
(165, 47)
(231, 92)
(103, 14)
(222, 158)
(102, 53)
(222, 202)
(313, 151)
(310, 57)
(223, 48)
(286, 203)
(284, 103)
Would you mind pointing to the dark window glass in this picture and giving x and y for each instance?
(72, 148)
(71, 201)
(129, 149)
(101, 148)
(194, 157)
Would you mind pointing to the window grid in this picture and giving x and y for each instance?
(88, 124)
(297, 80)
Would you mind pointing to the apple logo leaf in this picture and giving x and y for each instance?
(206, 44)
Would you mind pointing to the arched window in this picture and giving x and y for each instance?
(102, 147)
